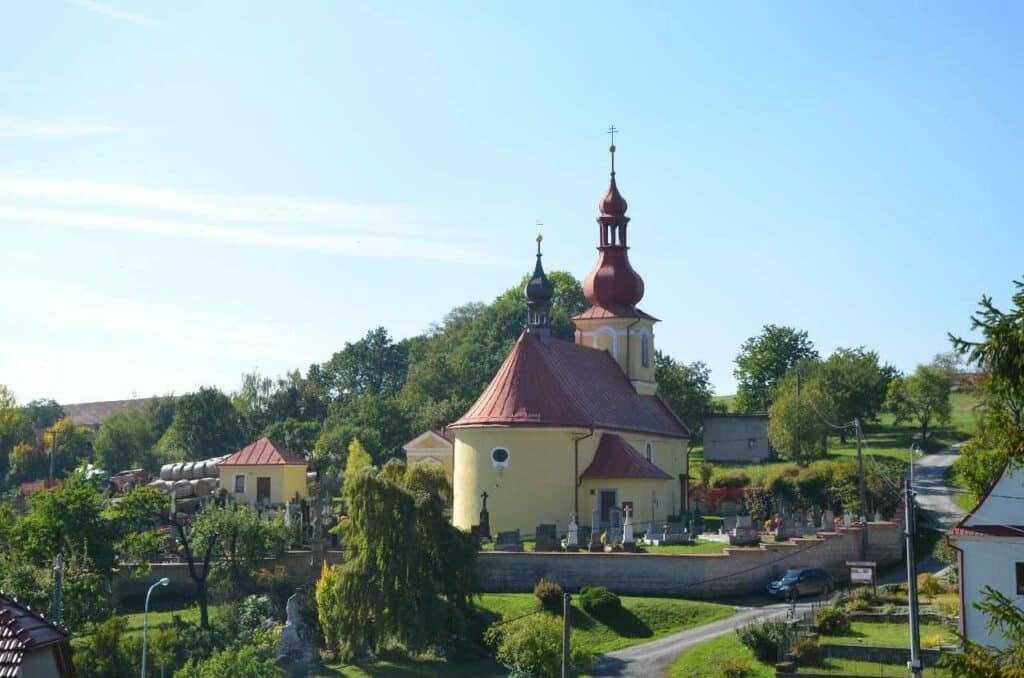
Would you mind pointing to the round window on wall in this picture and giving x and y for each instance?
(499, 457)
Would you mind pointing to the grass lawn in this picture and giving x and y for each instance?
(157, 619)
(890, 635)
(706, 660)
(840, 667)
(701, 546)
(640, 620)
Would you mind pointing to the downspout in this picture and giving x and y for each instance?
(576, 473)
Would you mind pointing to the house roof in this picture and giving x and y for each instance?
(263, 452)
(94, 414)
(1004, 505)
(430, 434)
(615, 458)
(23, 630)
(558, 383)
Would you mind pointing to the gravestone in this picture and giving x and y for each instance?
(729, 522)
(485, 519)
(847, 519)
(628, 542)
(595, 534)
(828, 521)
(786, 528)
(572, 539)
(508, 541)
(615, 526)
(294, 652)
(743, 532)
(547, 538)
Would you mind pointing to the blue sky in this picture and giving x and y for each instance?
(189, 191)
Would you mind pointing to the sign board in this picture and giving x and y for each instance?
(862, 572)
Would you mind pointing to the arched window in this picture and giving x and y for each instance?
(645, 351)
(649, 450)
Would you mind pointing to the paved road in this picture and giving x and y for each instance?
(655, 658)
(930, 483)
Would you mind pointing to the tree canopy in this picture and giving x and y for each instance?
(763, 360)
(798, 419)
(923, 398)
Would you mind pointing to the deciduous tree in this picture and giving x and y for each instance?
(798, 420)
(763, 360)
(687, 389)
(923, 398)
(206, 424)
(857, 381)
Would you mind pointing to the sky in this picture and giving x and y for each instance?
(191, 191)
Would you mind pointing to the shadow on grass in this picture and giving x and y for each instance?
(626, 624)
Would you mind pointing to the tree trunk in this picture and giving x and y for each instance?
(204, 604)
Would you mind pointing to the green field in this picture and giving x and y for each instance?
(706, 660)
(883, 439)
(890, 635)
(640, 620)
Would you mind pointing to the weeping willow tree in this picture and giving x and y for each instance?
(408, 575)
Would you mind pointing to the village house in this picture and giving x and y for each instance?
(573, 428)
(30, 645)
(264, 474)
(736, 438)
(990, 551)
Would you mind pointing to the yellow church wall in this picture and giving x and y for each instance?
(623, 339)
(536, 487)
(538, 484)
(640, 492)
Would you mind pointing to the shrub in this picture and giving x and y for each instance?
(832, 621)
(807, 652)
(731, 479)
(868, 595)
(928, 585)
(858, 605)
(532, 646)
(246, 661)
(736, 668)
(766, 640)
(599, 601)
(549, 594)
(933, 640)
(949, 607)
(704, 471)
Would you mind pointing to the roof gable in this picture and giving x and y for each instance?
(558, 383)
(263, 452)
(999, 511)
(428, 440)
(615, 458)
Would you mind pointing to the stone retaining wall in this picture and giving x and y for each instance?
(880, 655)
(735, 572)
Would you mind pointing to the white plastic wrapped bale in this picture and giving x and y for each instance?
(176, 471)
(189, 472)
(204, 486)
(182, 488)
(162, 485)
(166, 472)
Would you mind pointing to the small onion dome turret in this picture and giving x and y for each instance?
(539, 290)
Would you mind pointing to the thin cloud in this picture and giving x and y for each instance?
(275, 222)
(115, 13)
(13, 127)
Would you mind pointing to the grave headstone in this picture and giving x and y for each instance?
(572, 539)
(847, 519)
(743, 532)
(828, 520)
(508, 541)
(547, 538)
(729, 522)
(485, 519)
(615, 526)
(595, 534)
(628, 542)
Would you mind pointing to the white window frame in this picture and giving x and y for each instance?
(501, 464)
(234, 483)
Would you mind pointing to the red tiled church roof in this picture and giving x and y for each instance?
(263, 452)
(558, 383)
(615, 458)
(23, 630)
(612, 311)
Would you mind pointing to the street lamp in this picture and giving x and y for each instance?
(164, 581)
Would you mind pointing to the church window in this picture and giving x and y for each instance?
(649, 449)
(499, 457)
(645, 351)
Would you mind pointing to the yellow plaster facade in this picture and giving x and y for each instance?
(432, 448)
(539, 483)
(629, 340)
(285, 481)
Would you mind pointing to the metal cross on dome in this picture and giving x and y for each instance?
(611, 149)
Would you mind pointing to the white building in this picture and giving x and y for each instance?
(990, 542)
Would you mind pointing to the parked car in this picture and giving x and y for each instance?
(802, 581)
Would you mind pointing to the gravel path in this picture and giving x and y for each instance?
(932, 493)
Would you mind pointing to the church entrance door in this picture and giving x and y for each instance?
(606, 501)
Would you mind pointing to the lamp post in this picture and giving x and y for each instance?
(164, 581)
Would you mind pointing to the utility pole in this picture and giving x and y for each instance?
(909, 530)
(58, 587)
(862, 488)
(566, 623)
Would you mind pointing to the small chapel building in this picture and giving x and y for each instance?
(574, 428)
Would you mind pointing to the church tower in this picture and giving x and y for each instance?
(613, 289)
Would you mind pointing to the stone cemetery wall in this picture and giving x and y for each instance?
(736, 571)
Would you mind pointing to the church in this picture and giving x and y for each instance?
(571, 428)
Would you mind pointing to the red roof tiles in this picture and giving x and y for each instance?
(22, 631)
(558, 383)
(987, 531)
(263, 452)
(612, 311)
(615, 458)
